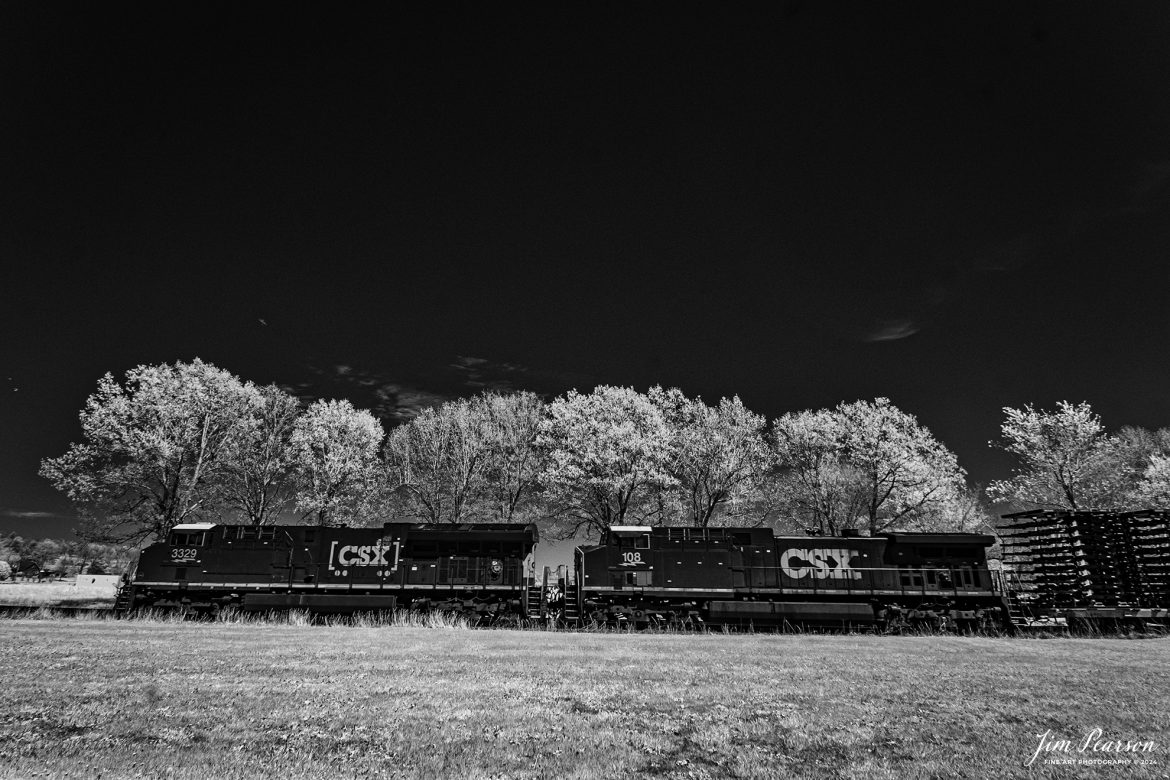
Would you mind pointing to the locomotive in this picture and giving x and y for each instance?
(478, 568)
(636, 576)
(749, 576)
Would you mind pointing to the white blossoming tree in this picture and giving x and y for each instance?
(607, 458)
(718, 459)
(154, 449)
(258, 475)
(866, 463)
(816, 485)
(1065, 459)
(334, 449)
(907, 477)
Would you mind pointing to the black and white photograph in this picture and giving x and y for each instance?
(607, 390)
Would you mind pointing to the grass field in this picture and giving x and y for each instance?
(83, 698)
(80, 592)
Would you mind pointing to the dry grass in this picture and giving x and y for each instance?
(232, 700)
(59, 593)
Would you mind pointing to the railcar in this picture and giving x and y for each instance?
(482, 569)
(1088, 570)
(645, 575)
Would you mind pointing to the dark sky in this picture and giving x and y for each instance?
(959, 209)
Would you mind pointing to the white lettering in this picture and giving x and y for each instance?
(822, 569)
(823, 564)
(1093, 743)
(363, 555)
(1048, 745)
(792, 569)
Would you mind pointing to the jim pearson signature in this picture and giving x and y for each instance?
(1095, 745)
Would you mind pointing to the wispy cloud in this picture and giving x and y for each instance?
(487, 374)
(392, 398)
(892, 330)
(398, 395)
(402, 402)
(28, 514)
(1141, 190)
(482, 373)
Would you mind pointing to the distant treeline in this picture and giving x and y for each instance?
(189, 441)
(67, 557)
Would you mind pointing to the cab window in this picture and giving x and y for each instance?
(188, 538)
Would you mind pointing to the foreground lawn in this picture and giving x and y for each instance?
(139, 699)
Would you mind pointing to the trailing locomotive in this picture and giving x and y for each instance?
(741, 576)
(635, 575)
(481, 569)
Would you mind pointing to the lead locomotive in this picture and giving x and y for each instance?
(480, 568)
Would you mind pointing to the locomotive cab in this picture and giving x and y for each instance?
(183, 553)
(630, 563)
(190, 535)
(940, 562)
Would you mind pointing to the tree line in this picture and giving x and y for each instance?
(1066, 459)
(19, 555)
(189, 441)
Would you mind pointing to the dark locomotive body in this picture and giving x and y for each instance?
(636, 575)
(479, 568)
(741, 576)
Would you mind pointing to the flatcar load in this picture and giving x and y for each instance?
(1088, 569)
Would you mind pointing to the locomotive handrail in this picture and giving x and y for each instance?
(317, 577)
(904, 580)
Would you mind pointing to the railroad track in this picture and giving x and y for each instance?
(71, 611)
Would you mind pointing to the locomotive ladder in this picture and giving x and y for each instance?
(572, 598)
(534, 599)
(124, 599)
(1017, 609)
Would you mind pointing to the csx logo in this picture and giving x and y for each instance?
(821, 564)
(361, 555)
